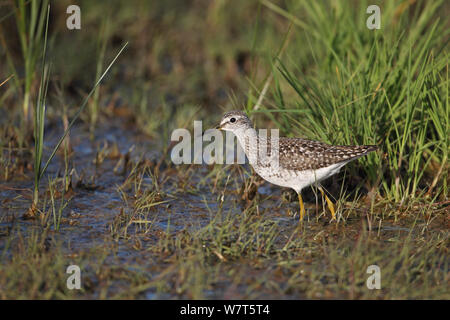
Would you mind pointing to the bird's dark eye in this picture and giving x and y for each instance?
(233, 120)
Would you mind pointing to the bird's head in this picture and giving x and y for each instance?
(234, 120)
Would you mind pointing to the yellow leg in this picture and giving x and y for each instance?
(330, 204)
(302, 206)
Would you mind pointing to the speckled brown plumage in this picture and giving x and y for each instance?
(301, 154)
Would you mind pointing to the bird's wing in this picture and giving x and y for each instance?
(302, 154)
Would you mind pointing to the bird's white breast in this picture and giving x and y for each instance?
(297, 180)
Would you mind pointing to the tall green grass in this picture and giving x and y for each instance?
(39, 119)
(30, 19)
(101, 50)
(40, 170)
(342, 83)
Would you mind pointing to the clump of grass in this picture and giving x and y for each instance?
(30, 19)
(39, 123)
(101, 50)
(366, 86)
(30, 42)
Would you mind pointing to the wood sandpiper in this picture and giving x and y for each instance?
(300, 162)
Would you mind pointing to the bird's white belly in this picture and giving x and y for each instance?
(297, 180)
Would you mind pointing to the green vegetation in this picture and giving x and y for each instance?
(112, 202)
(372, 87)
(30, 19)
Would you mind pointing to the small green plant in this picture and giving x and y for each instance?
(39, 122)
(101, 50)
(30, 19)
